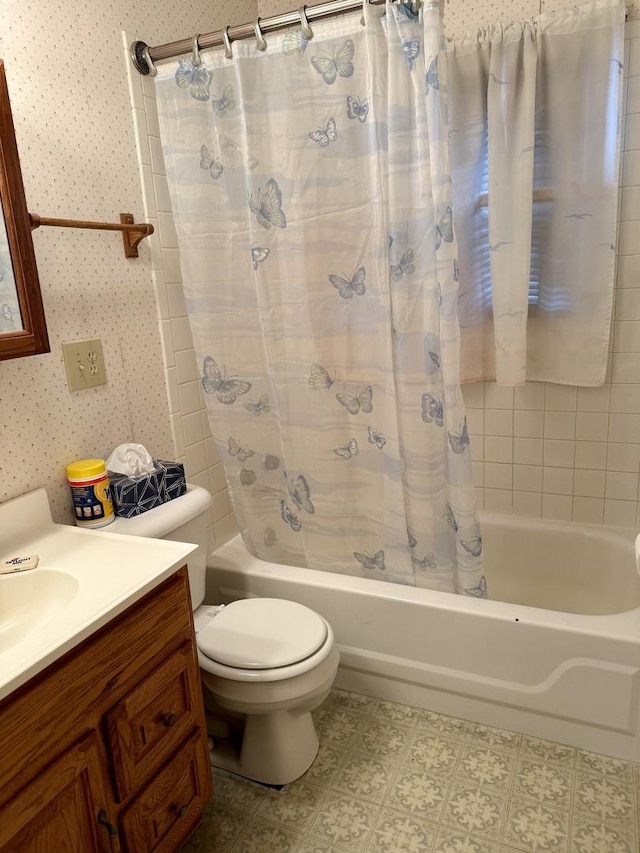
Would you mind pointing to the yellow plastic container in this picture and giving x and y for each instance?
(89, 484)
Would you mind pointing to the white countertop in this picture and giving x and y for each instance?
(105, 573)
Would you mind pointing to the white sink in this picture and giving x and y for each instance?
(28, 600)
(84, 579)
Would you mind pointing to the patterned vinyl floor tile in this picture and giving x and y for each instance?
(389, 778)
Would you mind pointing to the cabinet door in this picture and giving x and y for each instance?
(59, 810)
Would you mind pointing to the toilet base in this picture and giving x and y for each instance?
(277, 748)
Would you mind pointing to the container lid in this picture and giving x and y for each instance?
(86, 468)
(262, 633)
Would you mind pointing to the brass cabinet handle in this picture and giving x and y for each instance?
(180, 810)
(102, 818)
(168, 719)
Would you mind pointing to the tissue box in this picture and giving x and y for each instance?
(135, 495)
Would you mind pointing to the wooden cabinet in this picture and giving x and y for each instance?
(106, 750)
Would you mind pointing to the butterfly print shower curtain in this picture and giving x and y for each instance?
(312, 199)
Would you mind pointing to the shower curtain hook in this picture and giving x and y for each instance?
(260, 42)
(363, 21)
(147, 58)
(307, 32)
(228, 52)
(195, 51)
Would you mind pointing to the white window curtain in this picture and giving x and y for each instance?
(535, 141)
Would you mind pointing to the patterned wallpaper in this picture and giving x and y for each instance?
(70, 100)
(78, 151)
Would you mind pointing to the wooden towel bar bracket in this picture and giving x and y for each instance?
(132, 232)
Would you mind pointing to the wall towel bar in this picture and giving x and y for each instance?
(132, 232)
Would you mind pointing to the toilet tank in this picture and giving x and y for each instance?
(184, 519)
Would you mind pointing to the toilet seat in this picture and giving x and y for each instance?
(260, 634)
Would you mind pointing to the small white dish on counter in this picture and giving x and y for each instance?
(84, 578)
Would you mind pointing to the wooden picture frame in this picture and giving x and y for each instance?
(19, 284)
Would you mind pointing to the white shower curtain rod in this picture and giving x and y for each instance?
(144, 57)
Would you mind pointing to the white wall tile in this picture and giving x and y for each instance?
(181, 334)
(498, 449)
(622, 486)
(559, 425)
(624, 428)
(196, 458)
(628, 274)
(561, 398)
(634, 51)
(527, 504)
(186, 365)
(623, 457)
(161, 191)
(625, 367)
(630, 202)
(498, 422)
(626, 336)
(631, 139)
(532, 394)
(591, 454)
(192, 429)
(498, 475)
(625, 399)
(559, 453)
(497, 397)
(498, 500)
(527, 478)
(557, 507)
(190, 400)
(594, 399)
(557, 481)
(589, 483)
(633, 95)
(588, 510)
(528, 451)
(592, 426)
(528, 424)
(628, 304)
(620, 513)
(631, 166)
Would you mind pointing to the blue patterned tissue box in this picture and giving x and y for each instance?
(135, 495)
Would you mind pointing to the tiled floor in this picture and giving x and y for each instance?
(394, 779)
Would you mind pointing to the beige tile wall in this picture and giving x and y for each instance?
(542, 450)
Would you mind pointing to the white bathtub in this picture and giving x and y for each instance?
(555, 653)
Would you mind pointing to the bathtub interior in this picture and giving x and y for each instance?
(569, 568)
(515, 661)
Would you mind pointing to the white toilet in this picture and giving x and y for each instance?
(267, 662)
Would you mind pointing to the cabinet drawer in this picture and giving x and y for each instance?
(168, 809)
(146, 726)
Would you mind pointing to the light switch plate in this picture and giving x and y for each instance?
(84, 363)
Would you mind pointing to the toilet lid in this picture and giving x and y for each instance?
(262, 633)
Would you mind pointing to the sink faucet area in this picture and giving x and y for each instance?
(84, 578)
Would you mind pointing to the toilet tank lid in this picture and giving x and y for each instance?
(262, 633)
(160, 521)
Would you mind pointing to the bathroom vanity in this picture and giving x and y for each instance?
(103, 748)
(106, 750)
